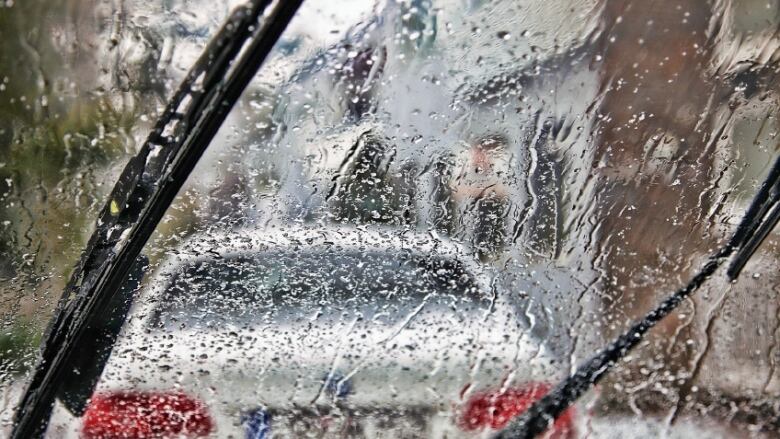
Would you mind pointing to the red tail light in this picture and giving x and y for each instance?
(495, 409)
(144, 415)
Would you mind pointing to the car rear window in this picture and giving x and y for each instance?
(288, 287)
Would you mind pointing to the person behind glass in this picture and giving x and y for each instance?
(481, 195)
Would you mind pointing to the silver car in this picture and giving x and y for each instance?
(333, 332)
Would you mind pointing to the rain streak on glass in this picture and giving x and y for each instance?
(420, 216)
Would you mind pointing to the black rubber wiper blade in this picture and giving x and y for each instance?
(759, 220)
(146, 188)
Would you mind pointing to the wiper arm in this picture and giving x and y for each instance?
(146, 188)
(759, 220)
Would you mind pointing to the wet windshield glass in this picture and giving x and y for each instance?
(418, 217)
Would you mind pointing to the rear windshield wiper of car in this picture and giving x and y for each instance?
(759, 220)
(144, 191)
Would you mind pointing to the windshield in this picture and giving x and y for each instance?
(586, 158)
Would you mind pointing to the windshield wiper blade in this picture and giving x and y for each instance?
(146, 188)
(759, 220)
